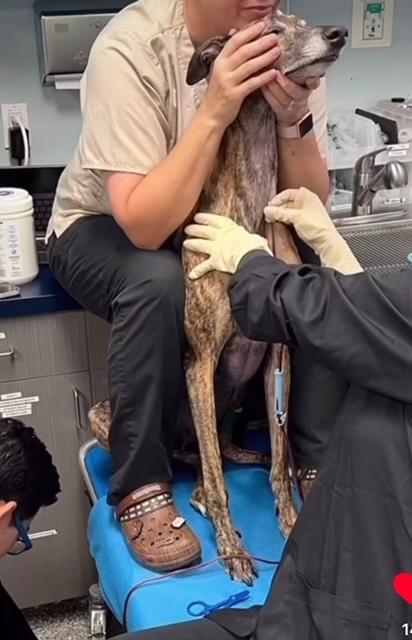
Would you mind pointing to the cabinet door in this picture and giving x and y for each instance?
(42, 345)
(59, 566)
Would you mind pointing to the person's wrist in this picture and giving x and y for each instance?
(211, 120)
(331, 244)
(253, 242)
(290, 120)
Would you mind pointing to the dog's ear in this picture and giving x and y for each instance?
(203, 58)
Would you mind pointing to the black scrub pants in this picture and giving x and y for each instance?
(141, 293)
(352, 538)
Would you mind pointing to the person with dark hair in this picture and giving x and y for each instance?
(28, 481)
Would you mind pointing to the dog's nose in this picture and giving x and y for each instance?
(336, 35)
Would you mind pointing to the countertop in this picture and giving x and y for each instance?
(42, 295)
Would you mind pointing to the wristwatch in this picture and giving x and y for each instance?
(298, 130)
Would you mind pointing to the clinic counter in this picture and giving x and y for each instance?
(42, 295)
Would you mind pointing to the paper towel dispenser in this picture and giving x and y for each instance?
(66, 31)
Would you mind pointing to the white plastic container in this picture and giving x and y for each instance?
(18, 255)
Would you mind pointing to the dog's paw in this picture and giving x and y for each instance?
(239, 565)
(242, 570)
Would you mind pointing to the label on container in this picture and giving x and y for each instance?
(2, 336)
(10, 251)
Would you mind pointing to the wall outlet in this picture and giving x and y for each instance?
(7, 113)
(372, 23)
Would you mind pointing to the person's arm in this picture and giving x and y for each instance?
(151, 208)
(359, 326)
(302, 161)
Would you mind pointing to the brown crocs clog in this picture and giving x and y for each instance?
(160, 539)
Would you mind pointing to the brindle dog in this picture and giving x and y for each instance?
(220, 361)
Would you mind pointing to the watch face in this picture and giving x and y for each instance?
(306, 125)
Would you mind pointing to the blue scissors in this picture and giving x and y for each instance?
(199, 609)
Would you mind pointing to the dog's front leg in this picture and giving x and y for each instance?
(200, 385)
(279, 473)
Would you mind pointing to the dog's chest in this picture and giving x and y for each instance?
(245, 175)
(242, 183)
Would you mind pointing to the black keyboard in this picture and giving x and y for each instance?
(43, 203)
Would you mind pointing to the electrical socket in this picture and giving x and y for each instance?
(7, 113)
(372, 23)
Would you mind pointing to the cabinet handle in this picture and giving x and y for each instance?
(77, 412)
(7, 354)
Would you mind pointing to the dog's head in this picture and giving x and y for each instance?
(307, 51)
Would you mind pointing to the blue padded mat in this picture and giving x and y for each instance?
(165, 602)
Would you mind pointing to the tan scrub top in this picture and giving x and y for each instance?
(136, 105)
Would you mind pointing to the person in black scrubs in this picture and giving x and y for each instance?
(28, 481)
(354, 532)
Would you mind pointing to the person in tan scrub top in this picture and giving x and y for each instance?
(147, 145)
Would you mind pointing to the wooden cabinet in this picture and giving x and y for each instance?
(53, 366)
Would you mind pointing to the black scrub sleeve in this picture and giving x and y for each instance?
(360, 326)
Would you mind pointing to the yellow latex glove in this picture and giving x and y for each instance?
(304, 210)
(224, 241)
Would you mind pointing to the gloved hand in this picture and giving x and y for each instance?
(304, 210)
(224, 241)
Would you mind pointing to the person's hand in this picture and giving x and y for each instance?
(240, 69)
(289, 100)
(223, 241)
(304, 210)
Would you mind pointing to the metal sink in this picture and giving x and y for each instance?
(382, 242)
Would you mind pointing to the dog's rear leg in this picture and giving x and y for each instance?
(279, 474)
(200, 386)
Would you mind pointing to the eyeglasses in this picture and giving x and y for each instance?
(23, 542)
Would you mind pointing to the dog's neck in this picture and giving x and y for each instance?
(245, 173)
